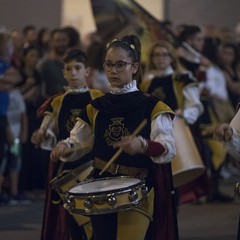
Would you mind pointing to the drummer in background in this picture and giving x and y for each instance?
(60, 114)
(229, 134)
(106, 125)
(168, 81)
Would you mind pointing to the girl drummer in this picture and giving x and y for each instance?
(106, 124)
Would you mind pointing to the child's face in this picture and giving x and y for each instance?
(161, 58)
(116, 77)
(75, 73)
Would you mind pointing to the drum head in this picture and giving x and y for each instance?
(104, 185)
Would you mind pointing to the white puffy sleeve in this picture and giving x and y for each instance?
(80, 141)
(162, 132)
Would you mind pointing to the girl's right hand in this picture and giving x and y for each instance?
(38, 136)
(60, 150)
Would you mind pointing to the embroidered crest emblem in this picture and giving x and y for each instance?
(74, 113)
(115, 131)
(159, 93)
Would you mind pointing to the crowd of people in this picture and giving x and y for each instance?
(66, 101)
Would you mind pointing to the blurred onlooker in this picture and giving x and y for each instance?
(229, 61)
(17, 135)
(97, 78)
(8, 77)
(51, 66)
(190, 53)
(218, 108)
(43, 39)
(17, 40)
(225, 35)
(30, 88)
(29, 35)
(74, 36)
(9, 74)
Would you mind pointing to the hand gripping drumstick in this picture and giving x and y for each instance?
(116, 155)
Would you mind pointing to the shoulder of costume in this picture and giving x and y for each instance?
(42, 109)
(144, 85)
(95, 93)
(161, 108)
(88, 115)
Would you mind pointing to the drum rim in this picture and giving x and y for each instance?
(110, 210)
(119, 190)
(69, 175)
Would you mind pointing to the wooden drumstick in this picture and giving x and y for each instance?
(116, 155)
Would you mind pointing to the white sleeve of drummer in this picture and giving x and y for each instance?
(82, 139)
(233, 146)
(193, 107)
(162, 132)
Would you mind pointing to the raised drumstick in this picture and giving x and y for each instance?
(116, 155)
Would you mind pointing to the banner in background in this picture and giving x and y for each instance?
(115, 18)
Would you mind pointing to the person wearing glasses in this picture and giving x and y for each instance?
(175, 86)
(105, 127)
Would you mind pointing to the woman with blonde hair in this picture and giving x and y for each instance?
(167, 80)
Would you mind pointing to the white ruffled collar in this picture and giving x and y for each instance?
(77, 90)
(130, 87)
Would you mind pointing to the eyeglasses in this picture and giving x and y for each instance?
(161, 55)
(119, 66)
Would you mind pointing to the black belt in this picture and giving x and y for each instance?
(120, 169)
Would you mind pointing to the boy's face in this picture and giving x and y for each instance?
(75, 73)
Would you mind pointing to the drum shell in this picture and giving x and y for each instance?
(187, 165)
(64, 182)
(76, 201)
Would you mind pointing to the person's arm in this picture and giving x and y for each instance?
(24, 128)
(233, 146)
(45, 137)
(77, 145)
(162, 133)
(193, 107)
(230, 137)
(160, 147)
(234, 87)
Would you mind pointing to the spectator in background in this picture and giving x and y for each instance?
(97, 78)
(74, 36)
(229, 62)
(43, 39)
(34, 169)
(29, 35)
(17, 135)
(17, 40)
(218, 108)
(8, 77)
(51, 67)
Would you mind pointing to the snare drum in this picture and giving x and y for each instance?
(106, 195)
(66, 181)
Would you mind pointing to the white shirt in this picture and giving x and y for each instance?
(233, 145)
(215, 83)
(16, 108)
